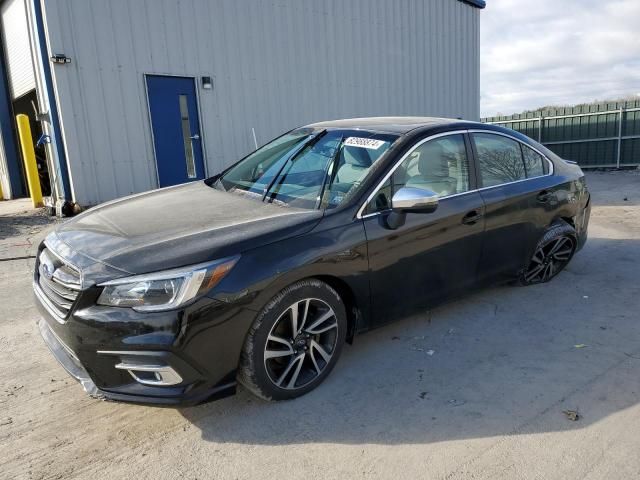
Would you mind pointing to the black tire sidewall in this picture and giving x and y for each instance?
(253, 373)
(555, 231)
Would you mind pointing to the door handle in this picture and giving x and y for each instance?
(471, 218)
(544, 196)
(195, 137)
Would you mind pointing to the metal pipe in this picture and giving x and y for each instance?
(540, 129)
(499, 122)
(587, 140)
(255, 140)
(553, 117)
(621, 113)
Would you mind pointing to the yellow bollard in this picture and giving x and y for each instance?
(29, 157)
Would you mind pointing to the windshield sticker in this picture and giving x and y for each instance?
(364, 143)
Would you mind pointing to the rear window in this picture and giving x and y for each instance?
(499, 159)
(534, 163)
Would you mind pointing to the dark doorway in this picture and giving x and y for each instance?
(27, 104)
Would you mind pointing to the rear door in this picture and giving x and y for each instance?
(516, 192)
(173, 107)
(433, 256)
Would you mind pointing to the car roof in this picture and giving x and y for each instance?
(397, 125)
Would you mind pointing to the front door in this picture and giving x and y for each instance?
(176, 130)
(432, 256)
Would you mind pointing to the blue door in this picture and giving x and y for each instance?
(176, 129)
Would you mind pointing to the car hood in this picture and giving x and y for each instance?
(179, 226)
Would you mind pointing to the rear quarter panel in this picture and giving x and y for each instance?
(569, 198)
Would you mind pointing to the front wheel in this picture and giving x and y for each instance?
(294, 342)
(552, 254)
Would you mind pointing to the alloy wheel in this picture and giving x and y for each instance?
(549, 259)
(301, 344)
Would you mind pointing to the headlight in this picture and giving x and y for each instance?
(165, 290)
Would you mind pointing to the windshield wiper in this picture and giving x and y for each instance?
(330, 173)
(292, 156)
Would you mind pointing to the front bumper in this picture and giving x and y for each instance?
(181, 357)
(71, 363)
(68, 359)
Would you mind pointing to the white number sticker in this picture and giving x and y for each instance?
(363, 143)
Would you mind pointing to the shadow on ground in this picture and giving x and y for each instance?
(503, 358)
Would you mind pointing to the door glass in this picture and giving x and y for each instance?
(533, 162)
(499, 158)
(439, 165)
(186, 136)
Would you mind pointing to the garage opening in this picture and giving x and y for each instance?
(21, 82)
(27, 105)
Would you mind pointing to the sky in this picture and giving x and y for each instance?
(557, 52)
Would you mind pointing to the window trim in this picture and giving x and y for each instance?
(472, 165)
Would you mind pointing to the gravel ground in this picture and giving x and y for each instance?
(488, 401)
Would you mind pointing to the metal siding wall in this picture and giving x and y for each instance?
(275, 65)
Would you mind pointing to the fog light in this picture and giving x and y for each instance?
(145, 367)
(155, 375)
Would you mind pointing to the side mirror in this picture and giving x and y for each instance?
(410, 200)
(418, 200)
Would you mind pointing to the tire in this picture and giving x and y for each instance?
(276, 364)
(552, 254)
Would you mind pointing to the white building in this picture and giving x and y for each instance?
(133, 95)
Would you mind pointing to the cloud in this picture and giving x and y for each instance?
(557, 52)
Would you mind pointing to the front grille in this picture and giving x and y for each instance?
(59, 283)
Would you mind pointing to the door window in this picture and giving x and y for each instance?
(534, 163)
(186, 136)
(440, 165)
(499, 159)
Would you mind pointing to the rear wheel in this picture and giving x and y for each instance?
(294, 342)
(552, 254)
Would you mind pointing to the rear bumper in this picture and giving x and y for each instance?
(583, 225)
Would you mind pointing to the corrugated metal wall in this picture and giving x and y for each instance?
(276, 64)
(588, 134)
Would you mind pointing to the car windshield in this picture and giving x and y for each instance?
(307, 168)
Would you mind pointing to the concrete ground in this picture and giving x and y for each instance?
(486, 403)
(22, 228)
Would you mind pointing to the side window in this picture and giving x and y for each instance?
(439, 165)
(534, 163)
(499, 159)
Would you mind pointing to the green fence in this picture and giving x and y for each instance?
(597, 135)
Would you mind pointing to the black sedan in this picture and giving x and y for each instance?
(260, 274)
